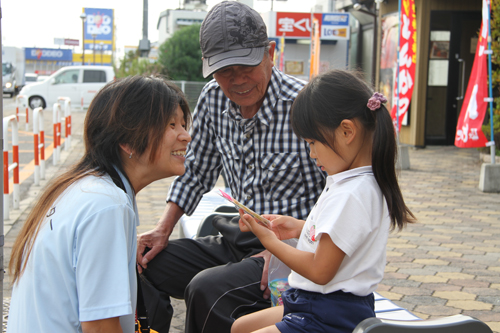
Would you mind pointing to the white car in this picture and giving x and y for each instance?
(42, 78)
(79, 83)
(30, 78)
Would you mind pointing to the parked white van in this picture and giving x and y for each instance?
(80, 83)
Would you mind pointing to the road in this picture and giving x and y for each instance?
(26, 142)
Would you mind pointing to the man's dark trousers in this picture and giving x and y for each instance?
(214, 274)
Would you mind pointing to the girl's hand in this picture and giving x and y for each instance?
(286, 227)
(248, 223)
(243, 226)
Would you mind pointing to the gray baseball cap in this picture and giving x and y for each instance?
(231, 34)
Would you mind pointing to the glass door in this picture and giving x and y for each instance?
(452, 46)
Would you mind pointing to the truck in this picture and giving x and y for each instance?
(12, 69)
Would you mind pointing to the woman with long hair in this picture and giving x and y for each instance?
(73, 264)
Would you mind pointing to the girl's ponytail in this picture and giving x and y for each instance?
(384, 154)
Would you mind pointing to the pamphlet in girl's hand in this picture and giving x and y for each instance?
(247, 210)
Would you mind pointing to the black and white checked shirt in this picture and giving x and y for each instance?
(266, 165)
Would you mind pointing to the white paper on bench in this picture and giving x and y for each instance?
(384, 305)
(208, 203)
(386, 309)
(397, 315)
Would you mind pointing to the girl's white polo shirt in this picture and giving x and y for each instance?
(353, 212)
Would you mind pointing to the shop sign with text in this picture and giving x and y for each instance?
(332, 26)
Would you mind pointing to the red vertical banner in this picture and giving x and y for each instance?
(407, 60)
(469, 132)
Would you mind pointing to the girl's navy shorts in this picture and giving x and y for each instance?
(310, 312)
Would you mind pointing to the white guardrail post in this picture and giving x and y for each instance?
(11, 120)
(18, 105)
(39, 144)
(67, 121)
(56, 121)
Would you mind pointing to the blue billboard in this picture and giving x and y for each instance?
(31, 53)
(335, 26)
(98, 28)
(336, 19)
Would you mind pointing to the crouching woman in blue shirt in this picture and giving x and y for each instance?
(73, 263)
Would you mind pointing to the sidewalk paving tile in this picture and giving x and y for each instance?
(445, 264)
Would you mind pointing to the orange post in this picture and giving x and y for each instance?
(15, 160)
(42, 143)
(35, 147)
(6, 172)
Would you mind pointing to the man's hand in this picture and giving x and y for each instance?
(157, 239)
(265, 278)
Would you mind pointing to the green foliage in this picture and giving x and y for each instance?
(496, 130)
(132, 64)
(180, 55)
(495, 57)
(495, 75)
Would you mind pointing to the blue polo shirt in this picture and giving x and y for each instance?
(82, 266)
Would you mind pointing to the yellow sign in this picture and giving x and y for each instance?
(89, 58)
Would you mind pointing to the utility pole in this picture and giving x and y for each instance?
(1, 185)
(144, 44)
(83, 16)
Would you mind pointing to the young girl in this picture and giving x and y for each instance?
(340, 256)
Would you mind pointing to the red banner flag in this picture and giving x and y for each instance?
(469, 133)
(407, 60)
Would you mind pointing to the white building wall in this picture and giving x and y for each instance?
(172, 20)
(331, 56)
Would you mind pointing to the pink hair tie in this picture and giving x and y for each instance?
(375, 101)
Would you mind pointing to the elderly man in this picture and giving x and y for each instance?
(241, 125)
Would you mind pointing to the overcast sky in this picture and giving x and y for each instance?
(35, 23)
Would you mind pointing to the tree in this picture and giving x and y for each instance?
(133, 64)
(495, 46)
(180, 55)
(495, 75)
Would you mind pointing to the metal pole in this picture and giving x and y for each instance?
(397, 71)
(145, 19)
(144, 44)
(1, 186)
(83, 16)
(378, 44)
(374, 63)
(83, 42)
(492, 140)
(93, 46)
